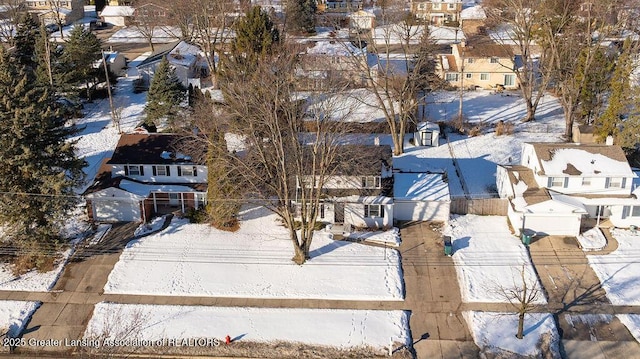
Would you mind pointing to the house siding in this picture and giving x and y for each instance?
(201, 177)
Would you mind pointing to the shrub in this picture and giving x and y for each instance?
(504, 128)
(197, 215)
(475, 131)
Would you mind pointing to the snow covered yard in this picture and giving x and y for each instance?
(327, 327)
(488, 257)
(32, 281)
(632, 322)
(198, 260)
(478, 156)
(496, 332)
(619, 271)
(14, 315)
(161, 35)
(592, 240)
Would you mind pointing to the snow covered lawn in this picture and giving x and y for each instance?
(488, 257)
(478, 156)
(161, 34)
(330, 327)
(493, 331)
(32, 281)
(14, 315)
(619, 271)
(632, 322)
(592, 240)
(198, 260)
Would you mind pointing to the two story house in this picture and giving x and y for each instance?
(437, 12)
(328, 62)
(358, 193)
(479, 64)
(338, 6)
(62, 12)
(559, 185)
(146, 176)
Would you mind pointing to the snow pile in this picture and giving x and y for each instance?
(255, 261)
(32, 281)
(390, 237)
(488, 258)
(493, 331)
(330, 327)
(151, 227)
(592, 240)
(14, 315)
(618, 271)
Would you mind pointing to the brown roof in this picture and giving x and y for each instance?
(362, 159)
(483, 47)
(545, 150)
(147, 149)
(533, 194)
(451, 61)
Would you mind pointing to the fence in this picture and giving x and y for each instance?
(481, 206)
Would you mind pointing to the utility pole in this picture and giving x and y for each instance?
(116, 121)
(461, 51)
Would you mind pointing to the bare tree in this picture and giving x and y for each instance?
(398, 68)
(517, 21)
(9, 18)
(150, 16)
(574, 34)
(289, 147)
(523, 295)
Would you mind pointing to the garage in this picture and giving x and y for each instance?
(551, 217)
(420, 197)
(114, 205)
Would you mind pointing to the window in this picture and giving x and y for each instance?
(451, 77)
(484, 77)
(558, 182)
(612, 182)
(174, 199)
(373, 211)
(187, 171)
(586, 181)
(422, 6)
(161, 171)
(470, 61)
(134, 170)
(635, 212)
(321, 210)
(435, 6)
(468, 76)
(370, 182)
(509, 80)
(451, 6)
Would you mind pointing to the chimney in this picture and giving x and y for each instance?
(609, 141)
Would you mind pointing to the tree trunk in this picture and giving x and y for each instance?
(568, 121)
(531, 112)
(520, 334)
(299, 256)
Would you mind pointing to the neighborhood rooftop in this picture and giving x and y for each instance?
(576, 159)
(148, 149)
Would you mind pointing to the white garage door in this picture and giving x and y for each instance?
(559, 226)
(116, 211)
(421, 211)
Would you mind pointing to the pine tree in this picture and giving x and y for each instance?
(301, 16)
(25, 41)
(39, 168)
(255, 36)
(81, 51)
(165, 95)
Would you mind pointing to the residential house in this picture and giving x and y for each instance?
(358, 193)
(558, 186)
(188, 61)
(472, 20)
(480, 63)
(117, 15)
(362, 22)
(56, 11)
(333, 61)
(338, 6)
(437, 12)
(146, 176)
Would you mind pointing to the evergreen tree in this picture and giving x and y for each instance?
(619, 97)
(39, 169)
(301, 16)
(25, 41)
(255, 36)
(165, 94)
(81, 51)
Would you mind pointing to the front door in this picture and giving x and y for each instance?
(174, 199)
(338, 212)
(425, 138)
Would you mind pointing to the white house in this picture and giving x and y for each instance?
(117, 15)
(420, 197)
(358, 193)
(146, 176)
(558, 184)
(188, 61)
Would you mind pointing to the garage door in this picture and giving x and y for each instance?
(116, 211)
(421, 211)
(560, 226)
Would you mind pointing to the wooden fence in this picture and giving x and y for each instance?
(480, 206)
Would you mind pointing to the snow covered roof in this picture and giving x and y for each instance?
(184, 54)
(473, 13)
(143, 189)
(428, 126)
(420, 187)
(114, 193)
(362, 13)
(445, 35)
(113, 11)
(366, 199)
(148, 148)
(591, 160)
(334, 48)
